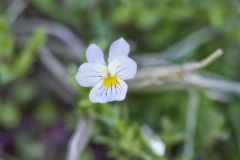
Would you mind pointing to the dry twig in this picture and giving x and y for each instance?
(191, 121)
(159, 76)
(80, 138)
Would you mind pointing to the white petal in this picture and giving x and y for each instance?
(94, 54)
(118, 48)
(101, 94)
(90, 74)
(157, 146)
(124, 67)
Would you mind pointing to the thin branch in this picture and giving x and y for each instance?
(49, 83)
(15, 9)
(217, 84)
(222, 97)
(199, 65)
(53, 29)
(56, 69)
(175, 71)
(80, 138)
(175, 77)
(191, 121)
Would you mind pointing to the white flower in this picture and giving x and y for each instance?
(107, 79)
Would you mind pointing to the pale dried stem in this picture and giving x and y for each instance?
(15, 9)
(54, 29)
(199, 65)
(57, 72)
(174, 71)
(191, 122)
(175, 77)
(80, 138)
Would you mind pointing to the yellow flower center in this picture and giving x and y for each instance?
(110, 81)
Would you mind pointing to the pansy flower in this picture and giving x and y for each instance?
(107, 79)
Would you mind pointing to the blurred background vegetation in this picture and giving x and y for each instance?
(41, 42)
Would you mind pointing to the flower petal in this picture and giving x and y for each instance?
(90, 74)
(95, 54)
(124, 67)
(118, 48)
(101, 94)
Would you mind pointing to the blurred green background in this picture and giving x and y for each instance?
(40, 103)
